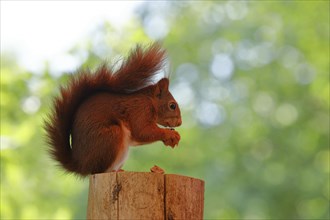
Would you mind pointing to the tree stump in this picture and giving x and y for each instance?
(139, 195)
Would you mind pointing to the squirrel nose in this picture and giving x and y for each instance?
(179, 122)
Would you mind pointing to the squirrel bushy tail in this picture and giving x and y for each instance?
(136, 72)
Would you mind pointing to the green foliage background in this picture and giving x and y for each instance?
(257, 133)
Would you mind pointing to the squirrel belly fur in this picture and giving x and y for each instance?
(97, 116)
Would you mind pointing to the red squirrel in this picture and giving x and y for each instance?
(97, 116)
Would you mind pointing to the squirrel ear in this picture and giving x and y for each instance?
(163, 84)
(161, 87)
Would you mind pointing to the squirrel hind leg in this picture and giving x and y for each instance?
(105, 151)
(121, 157)
(121, 151)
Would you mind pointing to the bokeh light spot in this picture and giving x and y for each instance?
(222, 66)
(286, 114)
(210, 114)
(156, 26)
(263, 104)
(236, 10)
(31, 104)
(304, 74)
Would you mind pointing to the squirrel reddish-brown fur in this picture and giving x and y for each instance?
(97, 116)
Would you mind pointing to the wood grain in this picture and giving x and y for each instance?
(142, 195)
(139, 195)
(184, 197)
(102, 201)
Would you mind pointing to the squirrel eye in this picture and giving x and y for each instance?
(172, 106)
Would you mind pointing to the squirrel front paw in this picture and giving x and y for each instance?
(172, 138)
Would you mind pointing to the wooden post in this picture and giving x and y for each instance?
(139, 195)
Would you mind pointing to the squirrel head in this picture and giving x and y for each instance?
(168, 111)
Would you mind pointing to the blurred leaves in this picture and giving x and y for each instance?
(252, 80)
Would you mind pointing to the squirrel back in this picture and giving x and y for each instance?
(135, 73)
